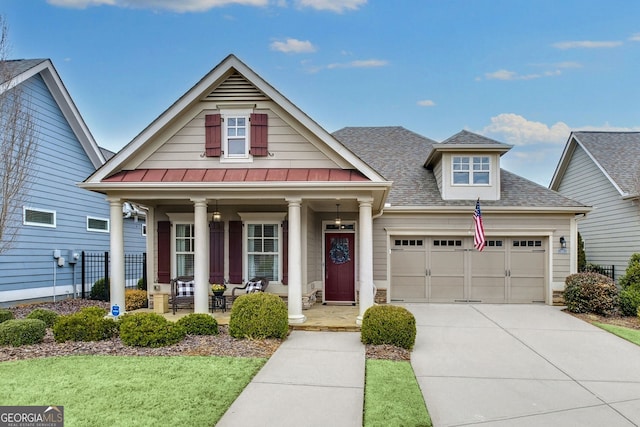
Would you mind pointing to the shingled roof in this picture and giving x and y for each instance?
(399, 155)
(617, 153)
(14, 67)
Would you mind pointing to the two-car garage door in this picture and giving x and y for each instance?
(437, 269)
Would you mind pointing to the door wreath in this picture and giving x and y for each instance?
(339, 252)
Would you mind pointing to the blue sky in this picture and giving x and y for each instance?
(522, 72)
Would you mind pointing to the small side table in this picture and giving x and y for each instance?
(218, 301)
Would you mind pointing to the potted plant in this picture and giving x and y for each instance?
(218, 289)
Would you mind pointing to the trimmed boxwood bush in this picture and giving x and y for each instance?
(591, 293)
(89, 324)
(47, 316)
(17, 332)
(259, 315)
(5, 315)
(99, 290)
(134, 299)
(149, 330)
(630, 283)
(388, 324)
(199, 324)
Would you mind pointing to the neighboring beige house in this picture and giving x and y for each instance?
(239, 183)
(602, 169)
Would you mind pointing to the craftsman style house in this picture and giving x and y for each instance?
(241, 183)
(602, 169)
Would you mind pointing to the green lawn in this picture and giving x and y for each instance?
(632, 335)
(190, 390)
(129, 391)
(393, 396)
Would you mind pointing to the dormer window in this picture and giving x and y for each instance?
(471, 170)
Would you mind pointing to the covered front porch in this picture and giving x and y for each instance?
(298, 243)
(318, 317)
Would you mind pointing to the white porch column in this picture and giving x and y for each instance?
(201, 257)
(116, 242)
(365, 239)
(295, 263)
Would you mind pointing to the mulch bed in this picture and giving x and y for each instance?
(631, 322)
(215, 345)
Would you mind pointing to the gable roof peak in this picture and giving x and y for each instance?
(465, 137)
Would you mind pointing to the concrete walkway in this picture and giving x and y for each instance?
(313, 379)
(522, 365)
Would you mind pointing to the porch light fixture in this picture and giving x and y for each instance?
(337, 221)
(563, 243)
(216, 216)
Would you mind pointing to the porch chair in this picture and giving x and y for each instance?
(257, 284)
(182, 292)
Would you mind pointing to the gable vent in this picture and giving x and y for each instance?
(236, 88)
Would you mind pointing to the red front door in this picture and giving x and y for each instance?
(339, 281)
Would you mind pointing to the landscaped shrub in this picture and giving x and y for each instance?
(134, 299)
(5, 315)
(141, 284)
(89, 324)
(99, 290)
(388, 324)
(629, 301)
(259, 315)
(17, 332)
(47, 316)
(590, 293)
(149, 330)
(199, 324)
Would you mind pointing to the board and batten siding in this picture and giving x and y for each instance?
(287, 148)
(28, 269)
(611, 231)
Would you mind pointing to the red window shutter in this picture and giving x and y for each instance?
(235, 251)
(213, 135)
(285, 252)
(164, 251)
(216, 252)
(259, 135)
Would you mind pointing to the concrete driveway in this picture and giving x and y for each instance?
(522, 365)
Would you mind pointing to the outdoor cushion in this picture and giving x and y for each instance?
(186, 289)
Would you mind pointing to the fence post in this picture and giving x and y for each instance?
(144, 271)
(106, 275)
(83, 272)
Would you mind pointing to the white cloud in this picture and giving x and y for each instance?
(293, 46)
(586, 44)
(173, 5)
(515, 129)
(426, 103)
(635, 37)
(512, 75)
(368, 63)
(337, 6)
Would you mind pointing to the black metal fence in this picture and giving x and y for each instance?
(95, 273)
(606, 270)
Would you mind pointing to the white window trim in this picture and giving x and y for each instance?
(470, 171)
(39, 224)
(236, 112)
(96, 230)
(261, 218)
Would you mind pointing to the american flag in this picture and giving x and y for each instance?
(479, 241)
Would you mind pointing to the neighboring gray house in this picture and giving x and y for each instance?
(240, 182)
(58, 215)
(602, 170)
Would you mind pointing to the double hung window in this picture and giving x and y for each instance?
(473, 170)
(184, 249)
(236, 139)
(263, 248)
